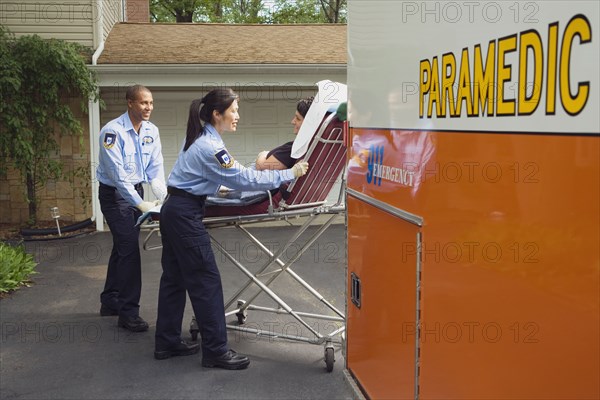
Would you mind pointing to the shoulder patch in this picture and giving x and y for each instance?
(109, 140)
(224, 159)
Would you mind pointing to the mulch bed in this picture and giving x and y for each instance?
(11, 233)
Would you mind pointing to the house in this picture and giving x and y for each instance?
(269, 66)
(86, 22)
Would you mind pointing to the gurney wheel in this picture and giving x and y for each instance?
(194, 329)
(243, 314)
(329, 358)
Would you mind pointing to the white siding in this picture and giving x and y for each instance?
(68, 19)
(71, 20)
(112, 12)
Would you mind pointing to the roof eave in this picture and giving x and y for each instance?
(186, 75)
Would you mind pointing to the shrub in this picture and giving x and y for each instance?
(39, 81)
(15, 267)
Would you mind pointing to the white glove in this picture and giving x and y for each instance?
(159, 189)
(146, 206)
(300, 168)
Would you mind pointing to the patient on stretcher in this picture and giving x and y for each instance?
(309, 120)
(281, 156)
(319, 141)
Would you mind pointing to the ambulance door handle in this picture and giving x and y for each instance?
(355, 295)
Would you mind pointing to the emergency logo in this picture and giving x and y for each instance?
(224, 159)
(376, 170)
(147, 140)
(109, 140)
(375, 161)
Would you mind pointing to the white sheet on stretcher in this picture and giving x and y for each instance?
(227, 198)
(330, 96)
(236, 198)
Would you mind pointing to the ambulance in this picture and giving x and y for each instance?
(473, 199)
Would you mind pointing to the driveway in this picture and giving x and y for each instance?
(55, 345)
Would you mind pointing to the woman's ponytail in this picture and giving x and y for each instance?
(195, 127)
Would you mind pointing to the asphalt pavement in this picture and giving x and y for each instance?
(55, 345)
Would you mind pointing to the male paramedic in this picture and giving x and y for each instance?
(130, 154)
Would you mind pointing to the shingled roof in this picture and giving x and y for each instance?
(140, 43)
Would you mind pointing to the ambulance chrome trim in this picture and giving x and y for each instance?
(405, 215)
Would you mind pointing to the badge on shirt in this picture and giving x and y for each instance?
(224, 159)
(147, 140)
(109, 140)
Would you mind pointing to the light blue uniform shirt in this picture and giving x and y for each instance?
(126, 158)
(207, 164)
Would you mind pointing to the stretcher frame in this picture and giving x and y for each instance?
(306, 198)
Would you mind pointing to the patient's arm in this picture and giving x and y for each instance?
(262, 162)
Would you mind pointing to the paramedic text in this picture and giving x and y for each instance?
(481, 82)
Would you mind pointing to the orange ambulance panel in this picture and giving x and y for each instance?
(382, 331)
(510, 288)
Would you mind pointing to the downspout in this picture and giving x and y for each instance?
(94, 118)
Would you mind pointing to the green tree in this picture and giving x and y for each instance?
(249, 11)
(188, 10)
(225, 11)
(39, 77)
(334, 10)
(174, 10)
(297, 12)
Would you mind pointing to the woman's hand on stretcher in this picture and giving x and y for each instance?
(300, 168)
(223, 190)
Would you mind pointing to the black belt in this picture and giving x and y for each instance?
(137, 186)
(182, 193)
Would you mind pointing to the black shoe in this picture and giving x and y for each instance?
(229, 360)
(181, 349)
(134, 324)
(106, 311)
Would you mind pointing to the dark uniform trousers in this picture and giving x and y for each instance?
(123, 285)
(189, 264)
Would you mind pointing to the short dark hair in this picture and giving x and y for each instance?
(133, 92)
(304, 104)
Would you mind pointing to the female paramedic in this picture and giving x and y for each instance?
(187, 259)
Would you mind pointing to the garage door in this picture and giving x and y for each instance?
(265, 119)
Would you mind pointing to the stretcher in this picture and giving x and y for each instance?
(305, 199)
